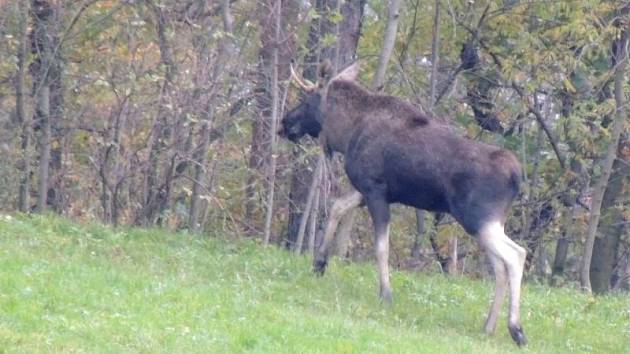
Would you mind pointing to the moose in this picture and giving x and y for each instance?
(393, 153)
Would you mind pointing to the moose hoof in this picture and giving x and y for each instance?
(319, 266)
(516, 331)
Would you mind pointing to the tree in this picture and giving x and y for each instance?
(619, 67)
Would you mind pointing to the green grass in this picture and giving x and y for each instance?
(66, 287)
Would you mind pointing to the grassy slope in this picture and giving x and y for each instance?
(66, 287)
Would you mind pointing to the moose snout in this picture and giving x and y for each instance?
(289, 131)
(287, 134)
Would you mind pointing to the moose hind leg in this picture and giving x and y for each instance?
(515, 276)
(341, 206)
(379, 211)
(498, 245)
(499, 293)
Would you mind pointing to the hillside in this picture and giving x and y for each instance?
(66, 287)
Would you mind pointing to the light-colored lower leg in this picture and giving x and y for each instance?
(499, 293)
(341, 206)
(382, 255)
(515, 276)
(495, 241)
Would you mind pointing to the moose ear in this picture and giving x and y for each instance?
(350, 73)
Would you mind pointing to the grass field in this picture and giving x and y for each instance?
(66, 287)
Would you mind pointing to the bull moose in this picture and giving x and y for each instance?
(395, 154)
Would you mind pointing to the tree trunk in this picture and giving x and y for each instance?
(56, 188)
(389, 39)
(255, 164)
(313, 221)
(442, 260)
(435, 56)
(310, 206)
(25, 122)
(415, 249)
(199, 178)
(562, 245)
(275, 103)
(452, 259)
(605, 248)
(580, 184)
(621, 61)
(298, 194)
(43, 47)
(43, 115)
(109, 166)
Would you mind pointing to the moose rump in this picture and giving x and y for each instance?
(395, 154)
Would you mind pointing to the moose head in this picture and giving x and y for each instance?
(307, 118)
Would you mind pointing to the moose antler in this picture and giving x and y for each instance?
(303, 83)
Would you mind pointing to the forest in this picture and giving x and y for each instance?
(164, 113)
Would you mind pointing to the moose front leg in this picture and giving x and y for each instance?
(379, 211)
(341, 207)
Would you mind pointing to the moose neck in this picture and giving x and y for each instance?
(343, 108)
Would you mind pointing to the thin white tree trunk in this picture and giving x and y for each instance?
(389, 40)
(452, 264)
(435, 55)
(273, 126)
(314, 216)
(309, 207)
(606, 165)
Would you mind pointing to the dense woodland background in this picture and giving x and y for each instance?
(164, 112)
